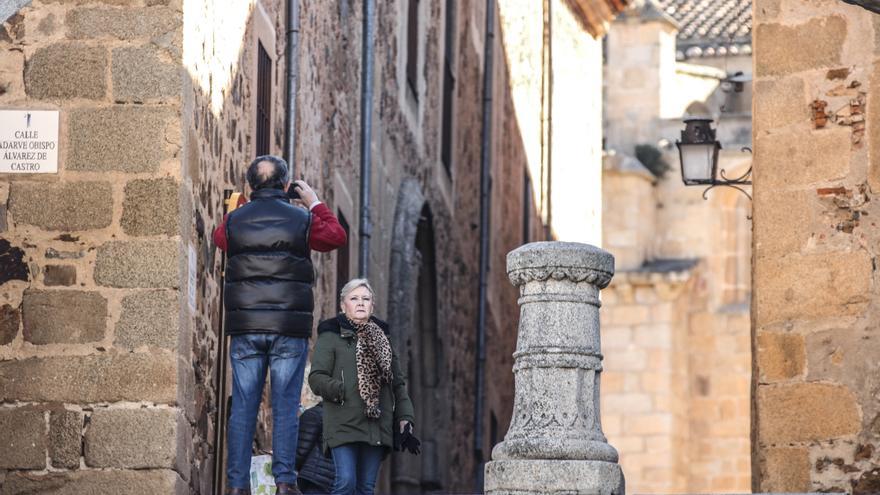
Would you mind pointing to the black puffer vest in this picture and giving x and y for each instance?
(269, 272)
(311, 463)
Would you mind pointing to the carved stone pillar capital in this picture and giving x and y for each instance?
(563, 262)
(555, 426)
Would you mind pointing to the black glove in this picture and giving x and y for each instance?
(398, 438)
(407, 441)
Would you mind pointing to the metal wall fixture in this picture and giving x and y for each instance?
(698, 151)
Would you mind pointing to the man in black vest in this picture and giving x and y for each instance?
(269, 303)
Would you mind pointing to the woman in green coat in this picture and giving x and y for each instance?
(357, 373)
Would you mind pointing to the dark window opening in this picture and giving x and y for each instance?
(448, 88)
(493, 430)
(343, 261)
(426, 294)
(527, 208)
(264, 100)
(412, 47)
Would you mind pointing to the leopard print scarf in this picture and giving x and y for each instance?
(373, 356)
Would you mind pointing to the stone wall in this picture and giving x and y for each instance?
(90, 349)
(561, 133)
(110, 317)
(629, 211)
(675, 397)
(220, 42)
(639, 74)
(407, 165)
(675, 318)
(676, 338)
(644, 383)
(815, 419)
(408, 180)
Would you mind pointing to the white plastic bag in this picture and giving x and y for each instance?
(262, 481)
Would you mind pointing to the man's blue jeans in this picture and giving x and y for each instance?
(357, 466)
(251, 355)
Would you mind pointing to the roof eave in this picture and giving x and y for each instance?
(595, 15)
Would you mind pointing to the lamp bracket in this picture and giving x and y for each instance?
(743, 180)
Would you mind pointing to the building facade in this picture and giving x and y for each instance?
(111, 347)
(814, 313)
(675, 319)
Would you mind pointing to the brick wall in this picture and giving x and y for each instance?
(814, 307)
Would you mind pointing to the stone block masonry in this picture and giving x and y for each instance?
(675, 384)
(65, 438)
(63, 316)
(124, 138)
(815, 282)
(126, 24)
(59, 275)
(104, 377)
(792, 410)
(72, 206)
(131, 438)
(104, 482)
(793, 48)
(781, 102)
(24, 440)
(130, 264)
(781, 356)
(67, 70)
(10, 320)
(148, 318)
(151, 207)
(91, 377)
(143, 74)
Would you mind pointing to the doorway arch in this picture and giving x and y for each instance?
(412, 312)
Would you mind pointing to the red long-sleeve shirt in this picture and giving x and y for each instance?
(325, 232)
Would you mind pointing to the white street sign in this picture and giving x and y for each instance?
(29, 141)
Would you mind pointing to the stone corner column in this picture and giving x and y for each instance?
(555, 442)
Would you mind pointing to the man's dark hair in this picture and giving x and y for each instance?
(268, 177)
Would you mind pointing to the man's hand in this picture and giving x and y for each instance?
(306, 193)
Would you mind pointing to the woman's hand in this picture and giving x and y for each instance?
(408, 441)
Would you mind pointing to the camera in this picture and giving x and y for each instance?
(292, 193)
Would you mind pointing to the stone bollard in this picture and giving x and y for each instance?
(555, 442)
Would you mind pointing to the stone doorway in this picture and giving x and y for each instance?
(412, 311)
(423, 474)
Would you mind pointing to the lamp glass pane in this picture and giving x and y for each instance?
(696, 161)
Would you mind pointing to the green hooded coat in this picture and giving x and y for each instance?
(333, 377)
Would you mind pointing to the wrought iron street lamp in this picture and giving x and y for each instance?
(698, 150)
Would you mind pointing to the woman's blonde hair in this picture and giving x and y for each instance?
(354, 284)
